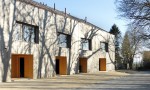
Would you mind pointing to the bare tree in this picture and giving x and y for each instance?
(138, 11)
(6, 29)
(131, 44)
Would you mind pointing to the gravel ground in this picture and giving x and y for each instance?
(99, 81)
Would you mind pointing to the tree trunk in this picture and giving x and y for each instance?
(6, 33)
(130, 64)
(7, 71)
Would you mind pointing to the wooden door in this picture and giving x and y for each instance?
(102, 64)
(28, 66)
(15, 67)
(62, 65)
(83, 65)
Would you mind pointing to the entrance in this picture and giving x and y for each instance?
(102, 64)
(61, 65)
(22, 66)
(83, 65)
(57, 66)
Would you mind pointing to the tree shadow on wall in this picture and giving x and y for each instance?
(6, 29)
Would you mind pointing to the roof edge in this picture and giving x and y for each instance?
(44, 6)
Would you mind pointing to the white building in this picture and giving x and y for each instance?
(40, 42)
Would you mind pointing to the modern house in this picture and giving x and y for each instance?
(38, 41)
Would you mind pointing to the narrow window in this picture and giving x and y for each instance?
(64, 40)
(28, 33)
(104, 46)
(86, 44)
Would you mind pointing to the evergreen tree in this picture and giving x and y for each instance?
(126, 52)
(115, 30)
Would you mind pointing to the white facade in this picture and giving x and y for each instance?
(49, 23)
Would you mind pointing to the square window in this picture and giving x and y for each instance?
(86, 44)
(64, 40)
(26, 32)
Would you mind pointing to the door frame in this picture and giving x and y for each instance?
(15, 65)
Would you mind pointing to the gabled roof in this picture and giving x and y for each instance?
(44, 6)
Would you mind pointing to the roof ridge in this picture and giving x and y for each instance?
(44, 6)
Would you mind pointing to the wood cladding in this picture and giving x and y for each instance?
(102, 64)
(83, 65)
(62, 65)
(16, 67)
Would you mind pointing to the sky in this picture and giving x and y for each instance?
(101, 13)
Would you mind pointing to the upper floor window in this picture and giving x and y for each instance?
(104, 46)
(86, 44)
(26, 32)
(64, 40)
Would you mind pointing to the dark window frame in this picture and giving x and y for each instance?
(68, 40)
(106, 46)
(36, 31)
(89, 43)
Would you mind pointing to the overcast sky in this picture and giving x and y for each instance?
(102, 13)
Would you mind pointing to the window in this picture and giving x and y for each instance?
(86, 44)
(104, 46)
(64, 40)
(26, 32)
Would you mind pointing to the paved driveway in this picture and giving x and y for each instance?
(100, 80)
(135, 81)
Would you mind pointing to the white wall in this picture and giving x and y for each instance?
(49, 24)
